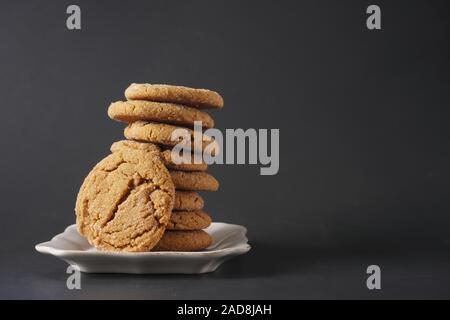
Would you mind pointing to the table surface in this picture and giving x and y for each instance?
(268, 271)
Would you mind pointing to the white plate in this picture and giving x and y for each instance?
(229, 240)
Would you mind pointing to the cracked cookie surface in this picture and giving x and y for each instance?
(188, 220)
(181, 240)
(199, 98)
(125, 202)
(135, 110)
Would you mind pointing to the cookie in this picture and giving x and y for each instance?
(194, 181)
(161, 133)
(187, 201)
(131, 111)
(199, 98)
(188, 220)
(124, 145)
(166, 155)
(187, 164)
(193, 240)
(125, 202)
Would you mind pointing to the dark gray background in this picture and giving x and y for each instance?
(363, 118)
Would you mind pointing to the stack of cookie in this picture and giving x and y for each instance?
(153, 113)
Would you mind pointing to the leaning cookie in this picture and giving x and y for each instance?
(188, 201)
(193, 240)
(169, 135)
(199, 98)
(125, 202)
(188, 220)
(131, 111)
(194, 181)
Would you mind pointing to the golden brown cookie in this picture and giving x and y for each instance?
(199, 98)
(194, 181)
(187, 164)
(123, 145)
(188, 220)
(131, 111)
(161, 133)
(166, 155)
(125, 202)
(187, 201)
(192, 240)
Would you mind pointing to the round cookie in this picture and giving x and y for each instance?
(125, 202)
(199, 98)
(187, 201)
(161, 133)
(188, 220)
(192, 240)
(124, 145)
(130, 111)
(166, 156)
(194, 181)
(187, 165)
